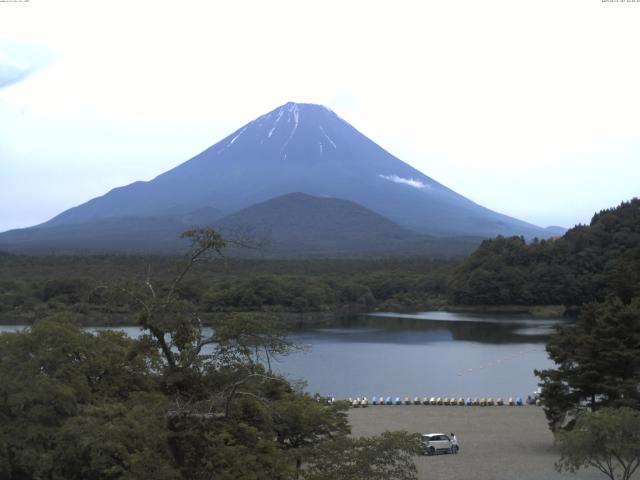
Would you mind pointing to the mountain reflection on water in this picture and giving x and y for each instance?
(483, 328)
(426, 353)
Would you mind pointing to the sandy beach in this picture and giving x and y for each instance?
(496, 443)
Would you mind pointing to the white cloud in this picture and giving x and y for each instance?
(412, 182)
(19, 60)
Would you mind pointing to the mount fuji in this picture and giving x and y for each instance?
(296, 148)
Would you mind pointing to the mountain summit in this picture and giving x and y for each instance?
(303, 148)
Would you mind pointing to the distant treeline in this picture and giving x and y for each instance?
(586, 264)
(96, 286)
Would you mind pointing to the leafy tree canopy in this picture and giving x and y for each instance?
(179, 402)
(598, 362)
(608, 440)
(373, 458)
(586, 264)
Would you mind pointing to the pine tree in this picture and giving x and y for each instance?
(598, 362)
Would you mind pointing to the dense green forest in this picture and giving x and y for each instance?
(586, 264)
(33, 287)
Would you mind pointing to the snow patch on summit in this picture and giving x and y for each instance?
(236, 137)
(293, 108)
(412, 182)
(327, 137)
(275, 124)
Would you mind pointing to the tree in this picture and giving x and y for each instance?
(75, 405)
(179, 402)
(301, 423)
(232, 417)
(608, 439)
(225, 396)
(584, 265)
(251, 338)
(598, 362)
(389, 455)
(173, 325)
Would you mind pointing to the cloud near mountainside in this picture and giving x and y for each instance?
(19, 61)
(412, 182)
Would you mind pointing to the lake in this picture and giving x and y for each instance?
(426, 353)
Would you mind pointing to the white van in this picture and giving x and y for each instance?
(434, 443)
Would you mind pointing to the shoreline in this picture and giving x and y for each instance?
(301, 320)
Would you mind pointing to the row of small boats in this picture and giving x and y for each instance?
(460, 401)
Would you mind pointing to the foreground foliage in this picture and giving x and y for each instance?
(77, 405)
(598, 362)
(373, 458)
(608, 440)
(179, 402)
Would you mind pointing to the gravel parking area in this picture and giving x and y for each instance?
(495, 442)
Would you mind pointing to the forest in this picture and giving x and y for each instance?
(305, 290)
(177, 403)
(586, 264)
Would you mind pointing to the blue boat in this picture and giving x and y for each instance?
(467, 401)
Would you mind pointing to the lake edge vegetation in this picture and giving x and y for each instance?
(593, 271)
(176, 403)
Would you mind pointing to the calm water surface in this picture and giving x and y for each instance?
(427, 353)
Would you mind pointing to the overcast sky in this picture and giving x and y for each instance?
(530, 108)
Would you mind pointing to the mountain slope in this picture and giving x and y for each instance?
(159, 233)
(117, 234)
(298, 222)
(292, 225)
(302, 148)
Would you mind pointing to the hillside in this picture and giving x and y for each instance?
(293, 225)
(586, 264)
(308, 223)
